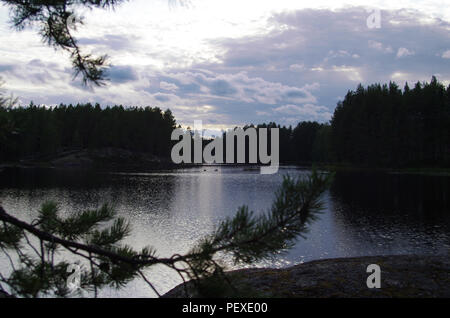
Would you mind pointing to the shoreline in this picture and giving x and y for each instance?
(166, 165)
(115, 159)
(437, 171)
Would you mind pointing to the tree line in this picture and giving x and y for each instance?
(307, 143)
(382, 125)
(39, 130)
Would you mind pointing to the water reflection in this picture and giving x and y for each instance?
(393, 213)
(365, 214)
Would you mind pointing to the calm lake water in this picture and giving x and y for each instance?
(365, 213)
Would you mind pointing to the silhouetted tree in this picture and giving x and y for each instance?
(7, 128)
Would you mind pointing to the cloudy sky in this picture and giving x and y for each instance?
(235, 62)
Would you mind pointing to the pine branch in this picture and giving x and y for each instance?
(55, 18)
(246, 237)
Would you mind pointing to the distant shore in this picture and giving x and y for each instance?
(439, 171)
(109, 159)
(113, 159)
(402, 276)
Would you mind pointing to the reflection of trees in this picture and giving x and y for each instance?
(416, 197)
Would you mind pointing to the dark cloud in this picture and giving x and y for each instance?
(121, 74)
(338, 50)
(222, 88)
(162, 97)
(7, 67)
(295, 94)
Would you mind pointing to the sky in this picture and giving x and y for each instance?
(233, 62)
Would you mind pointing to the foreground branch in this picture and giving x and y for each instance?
(248, 238)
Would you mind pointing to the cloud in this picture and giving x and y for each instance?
(7, 67)
(446, 54)
(307, 112)
(297, 67)
(35, 72)
(402, 52)
(240, 87)
(336, 49)
(168, 86)
(111, 42)
(351, 73)
(121, 74)
(222, 87)
(162, 97)
(380, 46)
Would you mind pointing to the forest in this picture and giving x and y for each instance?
(35, 131)
(382, 125)
(374, 126)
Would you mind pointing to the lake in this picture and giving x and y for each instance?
(365, 213)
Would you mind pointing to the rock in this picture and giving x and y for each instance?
(401, 276)
(107, 159)
(79, 159)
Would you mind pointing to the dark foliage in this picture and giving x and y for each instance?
(384, 126)
(36, 131)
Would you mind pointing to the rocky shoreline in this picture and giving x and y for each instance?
(405, 276)
(104, 159)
